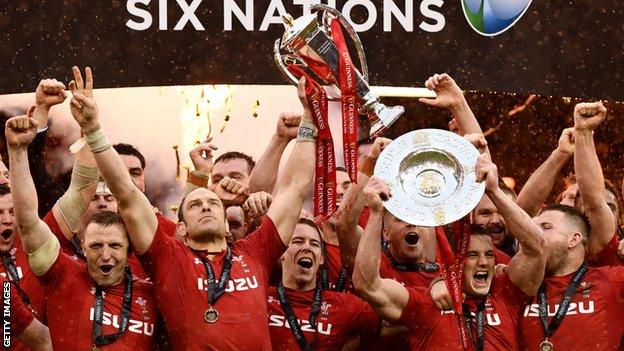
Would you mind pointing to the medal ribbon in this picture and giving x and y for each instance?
(414, 266)
(215, 290)
(480, 324)
(451, 267)
(126, 308)
(349, 100)
(551, 328)
(15, 280)
(340, 284)
(295, 328)
(325, 172)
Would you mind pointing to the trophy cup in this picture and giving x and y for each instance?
(431, 174)
(306, 40)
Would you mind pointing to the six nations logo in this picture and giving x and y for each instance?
(493, 17)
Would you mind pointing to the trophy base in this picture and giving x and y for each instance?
(382, 117)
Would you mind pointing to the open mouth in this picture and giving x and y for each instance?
(497, 230)
(106, 269)
(6, 234)
(481, 277)
(305, 263)
(412, 238)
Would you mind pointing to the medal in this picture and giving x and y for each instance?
(546, 345)
(211, 315)
(94, 349)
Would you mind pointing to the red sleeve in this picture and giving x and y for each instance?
(163, 253)
(21, 316)
(60, 274)
(364, 217)
(385, 267)
(264, 244)
(608, 256)
(168, 226)
(413, 311)
(364, 319)
(501, 257)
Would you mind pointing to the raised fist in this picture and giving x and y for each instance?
(378, 145)
(376, 192)
(448, 93)
(588, 115)
(228, 189)
(21, 130)
(288, 125)
(50, 92)
(83, 106)
(257, 204)
(566, 141)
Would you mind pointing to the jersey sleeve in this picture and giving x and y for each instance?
(364, 320)
(168, 226)
(54, 226)
(419, 300)
(60, 274)
(162, 255)
(501, 257)
(264, 244)
(607, 256)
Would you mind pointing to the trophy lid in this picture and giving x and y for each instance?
(431, 174)
(297, 28)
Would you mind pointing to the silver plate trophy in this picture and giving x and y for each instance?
(305, 36)
(431, 174)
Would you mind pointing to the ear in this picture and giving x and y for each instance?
(181, 230)
(322, 260)
(574, 240)
(227, 226)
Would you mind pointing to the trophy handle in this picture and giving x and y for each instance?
(359, 48)
(280, 59)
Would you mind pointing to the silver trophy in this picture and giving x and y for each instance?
(306, 36)
(431, 174)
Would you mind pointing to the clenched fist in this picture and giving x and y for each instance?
(588, 115)
(376, 192)
(21, 130)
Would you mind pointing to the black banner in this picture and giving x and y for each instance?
(557, 47)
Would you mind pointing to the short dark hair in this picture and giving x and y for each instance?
(233, 155)
(4, 190)
(575, 218)
(364, 141)
(341, 169)
(107, 219)
(131, 150)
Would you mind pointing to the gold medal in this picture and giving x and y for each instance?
(211, 315)
(546, 345)
(95, 349)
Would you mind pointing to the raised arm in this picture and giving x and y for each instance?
(526, 269)
(296, 180)
(133, 206)
(264, 174)
(540, 184)
(450, 97)
(352, 205)
(34, 233)
(69, 209)
(587, 116)
(387, 296)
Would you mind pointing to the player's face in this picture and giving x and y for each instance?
(133, 164)
(486, 215)
(236, 168)
(7, 223)
(612, 201)
(558, 236)
(304, 254)
(479, 266)
(568, 195)
(204, 217)
(101, 201)
(342, 184)
(236, 223)
(407, 241)
(106, 250)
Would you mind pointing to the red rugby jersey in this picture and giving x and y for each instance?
(594, 320)
(21, 317)
(68, 247)
(71, 300)
(433, 329)
(181, 290)
(342, 316)
(334, 267)
(608, 256)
